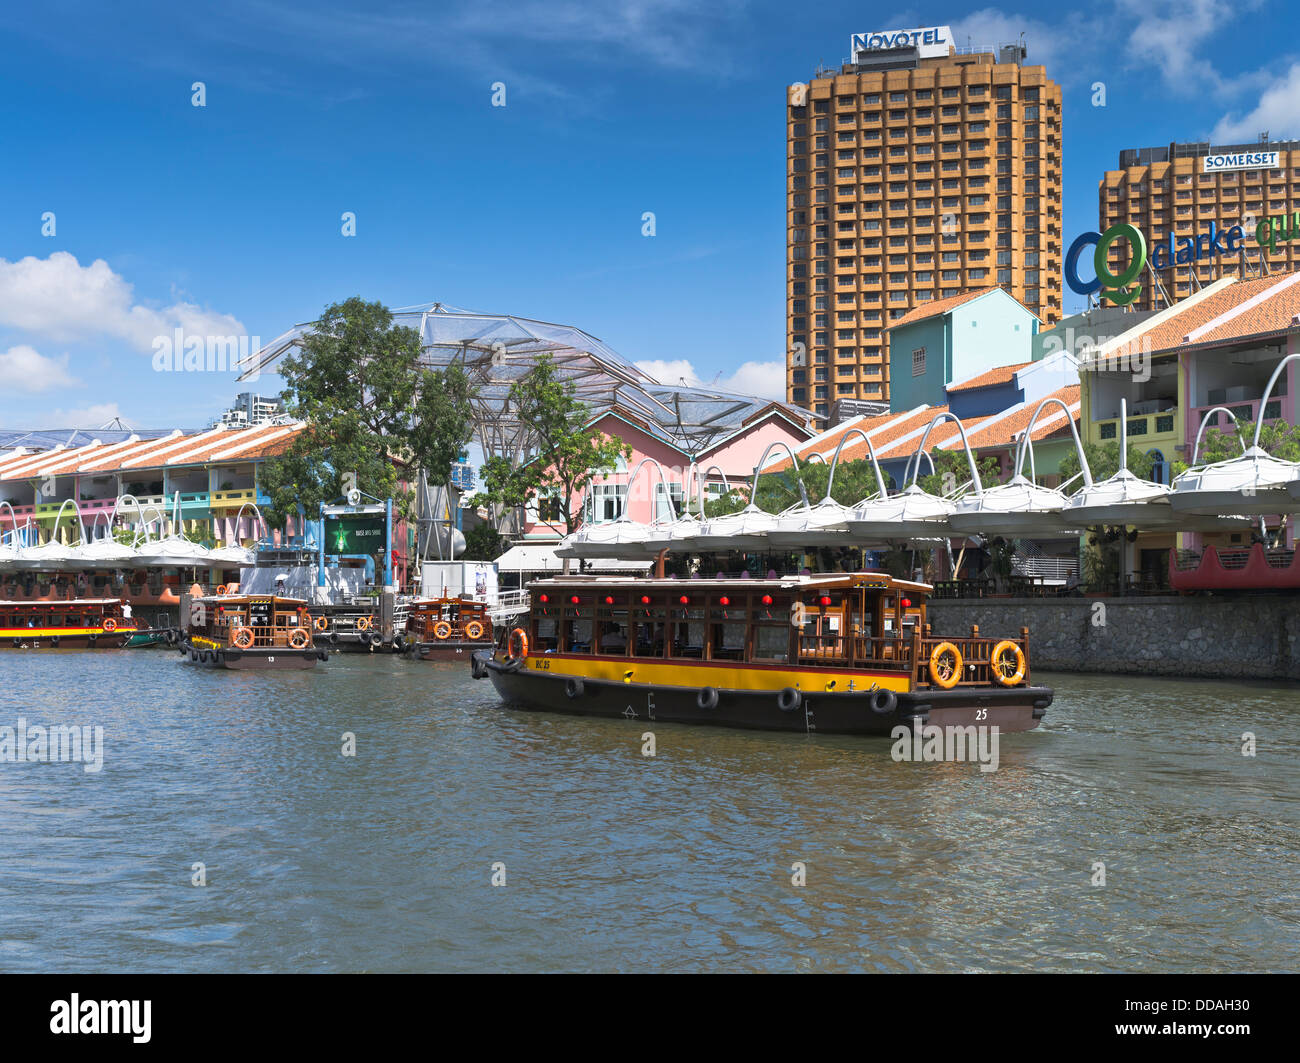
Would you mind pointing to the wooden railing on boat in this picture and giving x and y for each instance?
(909, 654)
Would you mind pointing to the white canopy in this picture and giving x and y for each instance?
(47, 558)
(172, 552)
(910, 514)
(103, 553)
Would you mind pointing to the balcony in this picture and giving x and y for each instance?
(1243, 411)
(1142, 428)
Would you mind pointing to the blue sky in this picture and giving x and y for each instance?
(227, 218)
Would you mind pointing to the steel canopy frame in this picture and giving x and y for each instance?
(498, 349)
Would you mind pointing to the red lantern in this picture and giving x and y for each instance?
(684, 600)
(574, 600)
(724, 601)
(609, 600)
(767, 599)
(906, 603)
(825, 601)
(645, 600)
(544, 598)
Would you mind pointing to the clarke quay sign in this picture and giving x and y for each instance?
(1172, 251)
(927, 40)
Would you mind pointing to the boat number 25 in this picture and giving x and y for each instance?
(981, 714)
(542, 663)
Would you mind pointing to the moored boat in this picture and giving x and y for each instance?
(77, 623)
(250, 631)
(846, 653)
(444, 629)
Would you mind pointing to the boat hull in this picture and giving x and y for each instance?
(38, 640)
(278, 658)
(1011, 709)
(449, 650)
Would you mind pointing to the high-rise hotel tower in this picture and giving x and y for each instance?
(918, 171)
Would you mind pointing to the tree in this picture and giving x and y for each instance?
(1278, 438)
(1103, 461)
(569, 453)
(483, 543)
(951, 470)
(370, 409)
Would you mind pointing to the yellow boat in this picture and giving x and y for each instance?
(842, 653)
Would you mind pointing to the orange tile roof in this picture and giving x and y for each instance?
(1005, 431)
(940, 306)
(196, 448)
(1001, 375)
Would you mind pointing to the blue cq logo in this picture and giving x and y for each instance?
(1118, 288)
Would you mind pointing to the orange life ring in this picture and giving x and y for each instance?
(473, 630)
(109, 624)
(518, 637)
(242, 638)
(442, 630)
(298, 638)
(221, 588)
(321, 623)
(943, 673)
(363, 623)
(999, 668)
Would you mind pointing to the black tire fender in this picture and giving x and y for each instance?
(883, 701)
(477, 669)
(707, 698)
(789, 700)
(574, 687)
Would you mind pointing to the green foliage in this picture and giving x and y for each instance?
(951, 470)
(371, 409)
(1103, 461)
(483, 543)
(569, 454)
(1278, 438)
(854, 481)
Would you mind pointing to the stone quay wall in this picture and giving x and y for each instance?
(1254, 636)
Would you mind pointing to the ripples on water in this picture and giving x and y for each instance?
(382, 862)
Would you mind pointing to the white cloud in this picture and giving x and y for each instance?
(25, 369)
(62, 300)
(1167, 38)
(763, 379)
(95, 416)
(1278, 112)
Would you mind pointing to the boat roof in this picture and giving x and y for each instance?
(64, 602)
(881, 580)
(228, 599)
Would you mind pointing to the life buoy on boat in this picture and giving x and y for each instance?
(363, 623)
(442, 630)
(945, 665)
(473, 630)
(109, 624)
(221, 589)
(518, 638)
(320, 623)
(1007, 663)
(242, 638)
(298, 638)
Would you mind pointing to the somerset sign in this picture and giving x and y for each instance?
(1240, 160)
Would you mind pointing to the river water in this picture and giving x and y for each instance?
(383, 861)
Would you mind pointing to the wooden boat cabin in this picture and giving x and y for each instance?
(250, 631)
(79, 623)
(442, 629)
(846, 653)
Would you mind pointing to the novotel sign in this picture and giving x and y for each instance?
(927, 40)
(1240, 160)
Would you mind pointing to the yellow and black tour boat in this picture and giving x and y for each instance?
(845, 653)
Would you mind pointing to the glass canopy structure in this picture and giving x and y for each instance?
(498, 349)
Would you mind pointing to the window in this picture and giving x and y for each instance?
(918, 362)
